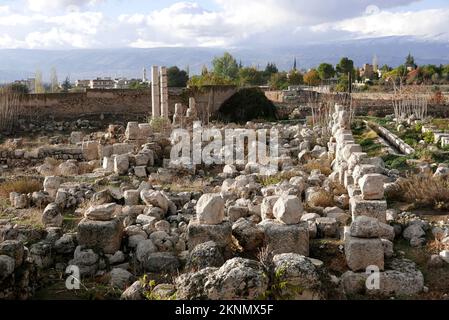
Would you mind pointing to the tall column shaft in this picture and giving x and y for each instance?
(155, 93)
(164, 93)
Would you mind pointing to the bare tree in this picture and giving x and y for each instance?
(54, 81)
(9, 109)
(38, 84)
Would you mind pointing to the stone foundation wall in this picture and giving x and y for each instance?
(69, 106)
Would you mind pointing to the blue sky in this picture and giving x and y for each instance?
(66, 24)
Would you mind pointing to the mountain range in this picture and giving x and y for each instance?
(77, 64)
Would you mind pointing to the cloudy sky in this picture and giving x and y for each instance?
(66, 24)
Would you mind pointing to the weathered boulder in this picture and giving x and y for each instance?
(237, 279)
(68, 169)
(52, 216)
(210, 209)
(134, 292)
(120, 278)
(247, 233)
(206, 255)
(161, 262)
(155, 199)
(266, 209)
(288, 209)
(51, 185)
(299, 275)
(104, 212)
(7, 266)
(13, 249)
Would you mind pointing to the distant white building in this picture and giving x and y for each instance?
(82, 84)
(122, 83)
(30, 83)
(102, 83)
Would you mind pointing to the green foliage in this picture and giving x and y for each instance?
(270, 69)
(429, 137)
(209, 79)
(177, 78)
(279, 81)
(158, 124)
(326, 71)
(226, 66)
(246, 105)
(251, 77)
(295, 78)
(66, 85)
(312, 78)
(345, 66)
(19, 88)
(137, 85)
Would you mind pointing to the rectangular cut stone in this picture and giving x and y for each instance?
(348, 180)
(122, 148)
(370, 208)
(353, 191)
(349, 149)
(105, 151)
(90, 150)
(281, 238)
(362, 169)
(372, 186)
(362, 253)
(198, 233)
(105, 236)
(132, 131)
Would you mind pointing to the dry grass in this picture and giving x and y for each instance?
(321, 198)
(22, 185)
(436, 245)
(277, 178)
(424, 191)
(323, 165)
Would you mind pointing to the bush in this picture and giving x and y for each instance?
(323, 165)
(246, 105)
(423, 191)
(321, 198)
(429, 137)
(23, 185)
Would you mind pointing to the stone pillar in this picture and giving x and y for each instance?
(164, 93)
(155, 92)
(178, 116)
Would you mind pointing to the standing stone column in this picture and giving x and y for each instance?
(164, 93)
(191, 112)
(155, 92)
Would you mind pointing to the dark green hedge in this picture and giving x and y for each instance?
(246, 105)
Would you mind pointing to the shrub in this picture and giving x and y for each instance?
(23, 185)
(316, 164)
(429, 137)
(424, 191)
(246, 105)
(321, 198)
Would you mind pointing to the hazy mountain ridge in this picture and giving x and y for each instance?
(128, 62)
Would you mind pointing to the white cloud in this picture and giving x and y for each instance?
(49, 5)
(76, 24)
(425, 24)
